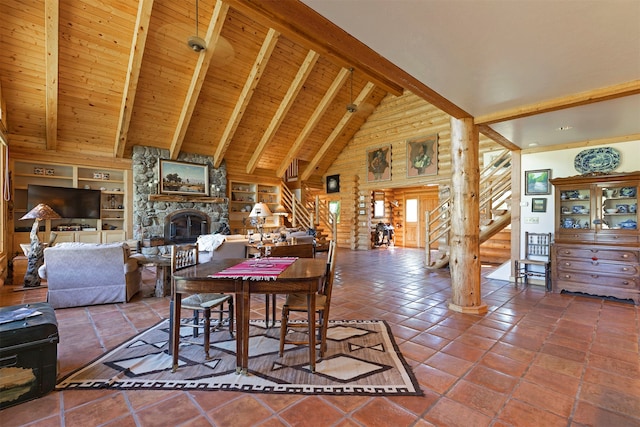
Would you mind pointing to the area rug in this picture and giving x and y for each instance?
(362, 358)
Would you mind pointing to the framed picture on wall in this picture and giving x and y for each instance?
(537, 182)
(184, 178)
(539, 205)
(379, 164)
(422, 156)
(333, 184)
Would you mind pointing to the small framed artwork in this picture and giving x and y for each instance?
(422, 156)
(49, 172)
(537, 182)
(38, 171)
(539, 205)
(333, 184)
(106, 176)
(184, 178)
(379, 164)
(97, 175)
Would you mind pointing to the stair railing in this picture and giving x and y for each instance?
(495, 195)
(300, 215)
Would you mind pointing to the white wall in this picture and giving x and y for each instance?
(561, 164)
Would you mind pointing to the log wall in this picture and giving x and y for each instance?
(395, 120)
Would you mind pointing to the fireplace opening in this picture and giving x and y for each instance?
(185, 226)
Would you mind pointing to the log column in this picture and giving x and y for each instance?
(464, 260)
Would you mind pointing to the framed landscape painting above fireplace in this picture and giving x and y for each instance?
(184, 178)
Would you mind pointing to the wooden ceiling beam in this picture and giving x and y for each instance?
(571, 101)
(199, 74)
(283, 108)
(362, 96)
(52, 22)
(497, 137)
(133, 74)
(313, 121)
(301, 23)
(245, 96)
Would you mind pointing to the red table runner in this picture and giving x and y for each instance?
(252, 269)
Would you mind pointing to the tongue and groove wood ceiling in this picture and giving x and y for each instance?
(99, 77)
(90, 79)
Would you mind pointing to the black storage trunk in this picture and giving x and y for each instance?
(28, 355)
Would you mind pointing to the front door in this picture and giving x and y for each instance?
(415, 210)
(427, 203)
(411, 223)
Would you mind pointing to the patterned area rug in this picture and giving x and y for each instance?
(362, 359)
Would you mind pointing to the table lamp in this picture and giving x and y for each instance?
(281, 212)
(36, 253)
(260, 211)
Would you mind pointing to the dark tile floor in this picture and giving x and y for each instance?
(535, 359)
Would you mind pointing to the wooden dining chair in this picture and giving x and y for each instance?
(183, 256)
(298, 303)
(304, 250)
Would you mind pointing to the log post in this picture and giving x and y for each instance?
(464, 259)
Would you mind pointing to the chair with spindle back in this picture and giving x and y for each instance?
(304, 250)
(298, 303)
(536, 261)
(183, 256)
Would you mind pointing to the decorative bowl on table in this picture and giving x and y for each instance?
(610, 211)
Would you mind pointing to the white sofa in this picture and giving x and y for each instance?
(80, 274)
(235, 245)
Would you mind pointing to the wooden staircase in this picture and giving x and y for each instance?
(495, 212)
(312, 215)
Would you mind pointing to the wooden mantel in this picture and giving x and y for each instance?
(181, 198)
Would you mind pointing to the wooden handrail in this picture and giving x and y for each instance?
(495, 189)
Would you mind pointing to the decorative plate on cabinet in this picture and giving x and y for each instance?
(603, 159)
(628, 192)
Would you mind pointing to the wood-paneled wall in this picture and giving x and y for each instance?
(395, 120)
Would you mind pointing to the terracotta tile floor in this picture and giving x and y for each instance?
(535, 359)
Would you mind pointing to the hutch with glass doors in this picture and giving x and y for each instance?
(597, 243)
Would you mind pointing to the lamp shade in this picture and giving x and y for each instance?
(260, 210)
(281, 210)
(41, 211)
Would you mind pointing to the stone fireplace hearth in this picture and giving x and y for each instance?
(150, 216)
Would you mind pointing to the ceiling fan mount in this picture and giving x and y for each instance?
(196, 43)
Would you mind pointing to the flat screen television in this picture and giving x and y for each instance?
(67, 202)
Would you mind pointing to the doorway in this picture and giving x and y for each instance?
(416, 205)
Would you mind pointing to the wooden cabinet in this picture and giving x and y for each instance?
(242, 197)
(114, 186)
(597, 270)
(597, 241)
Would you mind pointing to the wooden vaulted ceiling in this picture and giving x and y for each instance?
(94, 78)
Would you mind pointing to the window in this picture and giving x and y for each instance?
(412, 210)
(378, 205)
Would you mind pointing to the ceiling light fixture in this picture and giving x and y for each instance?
(567, 127)
(195, 42)
(351, 107)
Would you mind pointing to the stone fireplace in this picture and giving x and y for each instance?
(152, 219)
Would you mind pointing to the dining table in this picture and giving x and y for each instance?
(243, 278)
